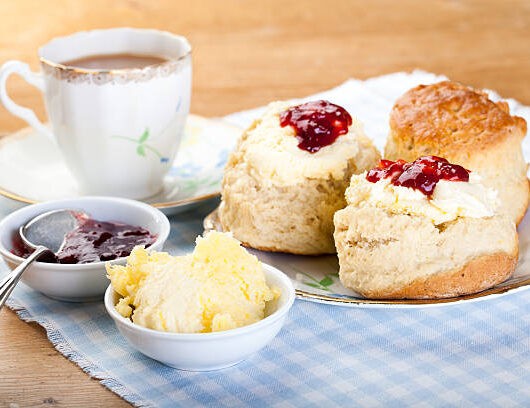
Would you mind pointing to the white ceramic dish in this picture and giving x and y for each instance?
(83, 282)
(32, 168)
(208, 351)
(316, 278)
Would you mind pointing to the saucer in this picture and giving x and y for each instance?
(32, 169)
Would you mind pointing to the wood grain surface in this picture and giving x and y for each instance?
(247, 53)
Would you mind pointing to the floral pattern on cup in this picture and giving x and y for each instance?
(88, 108)
(142, 147)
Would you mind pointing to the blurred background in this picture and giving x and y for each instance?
(245, 54)
(249, 52)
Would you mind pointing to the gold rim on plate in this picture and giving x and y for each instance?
(211, 222)
(169, 204)
(25, 132)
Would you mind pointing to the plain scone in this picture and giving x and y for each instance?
(293, 215)
(464, 126)
(403, 256)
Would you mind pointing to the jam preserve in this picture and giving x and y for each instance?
(422, 174)
(94, 241)
(317, 124)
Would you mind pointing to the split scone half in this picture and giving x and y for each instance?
(464, 126)
(404, 236)
(281, 187)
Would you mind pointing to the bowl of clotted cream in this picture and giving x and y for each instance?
(203, 311)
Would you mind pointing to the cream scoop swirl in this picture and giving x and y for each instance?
(273, 154)
(450, 199)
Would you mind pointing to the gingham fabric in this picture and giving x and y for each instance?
(474, 354)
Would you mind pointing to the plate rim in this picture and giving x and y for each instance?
(27, 131)
(209, 223)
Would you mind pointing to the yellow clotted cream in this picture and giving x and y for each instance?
(219, 286)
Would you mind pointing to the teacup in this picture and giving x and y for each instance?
(118, 129)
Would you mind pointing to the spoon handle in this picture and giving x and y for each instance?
(10, 281)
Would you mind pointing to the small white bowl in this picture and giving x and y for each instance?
(208, 351)
(79, 282)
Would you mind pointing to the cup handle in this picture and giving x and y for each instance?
(35, 79)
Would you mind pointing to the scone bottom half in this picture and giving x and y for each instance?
(280, 191)
(463, 125)
(416, 248)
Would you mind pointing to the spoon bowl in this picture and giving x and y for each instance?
(50, 228)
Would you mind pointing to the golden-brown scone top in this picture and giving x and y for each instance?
(452, 114)
(465, 127)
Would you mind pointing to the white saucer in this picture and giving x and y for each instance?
(32, 169)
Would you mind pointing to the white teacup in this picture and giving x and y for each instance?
(118, 129)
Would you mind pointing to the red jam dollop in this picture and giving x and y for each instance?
(317, 124)
(422, 174)
(95, 241)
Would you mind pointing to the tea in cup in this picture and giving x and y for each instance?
(117, 101)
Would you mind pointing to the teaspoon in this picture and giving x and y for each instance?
(45, 234)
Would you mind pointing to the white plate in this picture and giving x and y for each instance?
(32, 169)
(316, 279)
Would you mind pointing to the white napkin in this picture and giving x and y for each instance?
(372, 100)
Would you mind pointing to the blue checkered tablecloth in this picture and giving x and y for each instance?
(475, 354)
(472, 354)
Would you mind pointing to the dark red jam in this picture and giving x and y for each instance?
(94, 241)
(317, 124)
(422, 174)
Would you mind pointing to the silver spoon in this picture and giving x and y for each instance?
(44, 233)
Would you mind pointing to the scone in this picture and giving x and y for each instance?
(288, 174)
(456, 122)
(426, 229)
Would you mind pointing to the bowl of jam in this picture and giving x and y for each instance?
(109, 232)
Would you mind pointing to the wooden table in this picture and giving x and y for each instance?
(247, 53)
